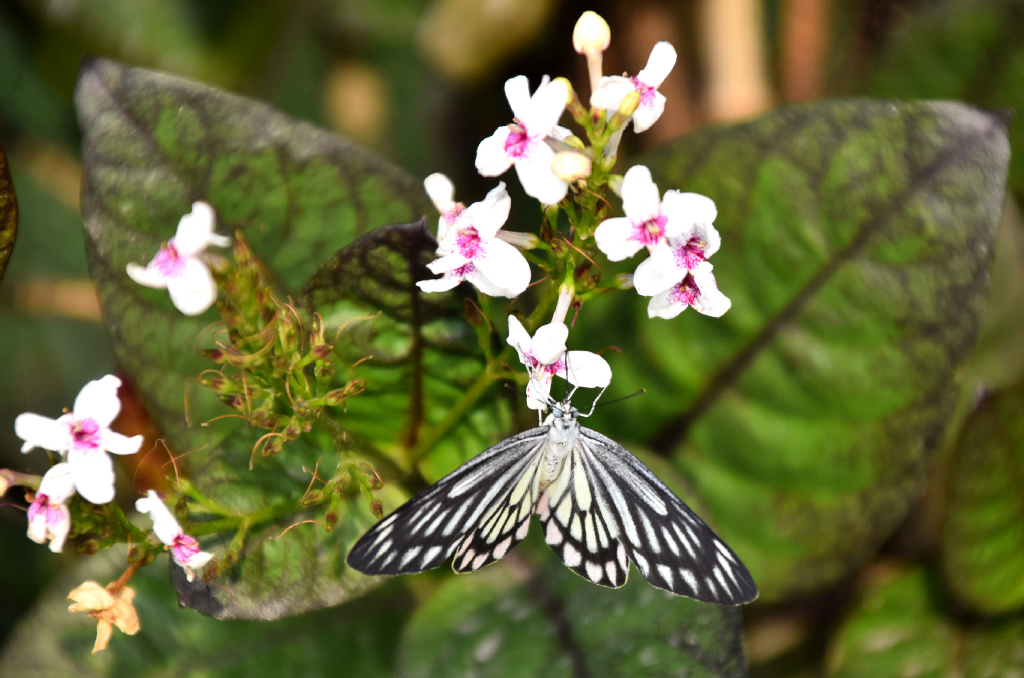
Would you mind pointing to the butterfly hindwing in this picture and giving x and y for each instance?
(673, 548)
(579, 528)
(425, 531)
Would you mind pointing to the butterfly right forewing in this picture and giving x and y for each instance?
(425, 531)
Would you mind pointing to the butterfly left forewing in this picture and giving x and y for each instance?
(425, 531)
(671, 546)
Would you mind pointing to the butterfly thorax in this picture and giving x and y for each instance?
(563, 428)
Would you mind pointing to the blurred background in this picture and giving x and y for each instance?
(420, 83)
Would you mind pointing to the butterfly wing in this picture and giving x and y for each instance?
(643, 519)
(476, 507)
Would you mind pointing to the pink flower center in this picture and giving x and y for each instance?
(690, 255)
(517, 143)
(650, 232)
(85, 435)
(462, 272)
(685, 292)
(37, 506)
(452, 215)
(542, 369)
(184, 549)
(468, 243)
(646, 92)
(169, 262)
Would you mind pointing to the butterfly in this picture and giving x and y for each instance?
(599, 506)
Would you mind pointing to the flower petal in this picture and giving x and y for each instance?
(538, 391)
(88, 597)
(648, 112)
(193, 291)
(444, 284)
(610, 92)
(709, 234)
(613, 238)
(195, 229)
(659, 65)
(640, 198)
(58, 524)
(665, 306)
(98, 400)
(686, 209)
(519, 338)
(487, 286)
(517, 91)
(549, 342)
(709, 301)
(441, 191)
(537, 177)
(491, 159)
(448, 262)
(504, 266)
(149, 276)
(57, 483)
(93, 472)
(165, 527)
(586, 369)
(39, 431)
(545, 108)
(657, 273)
(115, 443)
(490, 214)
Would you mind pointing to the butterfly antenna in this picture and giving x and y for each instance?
(609, 402)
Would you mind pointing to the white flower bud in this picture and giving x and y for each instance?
(571, 166)
(591, 34)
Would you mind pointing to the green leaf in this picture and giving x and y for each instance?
(503, 622)
(8, 214)
(959, 49)
(352, 641)
(424, 335)
(152, 145)
(902, 627)
(983, 531)
(856, 243)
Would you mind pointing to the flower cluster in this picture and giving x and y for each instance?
(677, 231)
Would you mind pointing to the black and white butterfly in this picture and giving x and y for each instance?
(600, 508)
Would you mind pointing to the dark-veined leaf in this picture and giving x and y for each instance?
(856, 242)
(153, 144)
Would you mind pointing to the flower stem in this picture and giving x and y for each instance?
(426, 442)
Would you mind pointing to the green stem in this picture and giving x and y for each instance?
(243, 520)
(493, 373)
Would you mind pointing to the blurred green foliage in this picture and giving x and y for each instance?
(807, 422)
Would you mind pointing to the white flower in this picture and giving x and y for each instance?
(83, 437)
(471, 250)
(184, 549)
(179, 266)
(545, 356)
(523, 143)
(697, 289)
(442, 194)
(651, 221)
(48, 515)
(612, 89)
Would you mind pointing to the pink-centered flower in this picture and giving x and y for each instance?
(83, 437)
(48, 515)
(545, 356)
(179, 266)
(698, 289)
(184, 549)
(612, 89)
(524, 143)
(470, 248)
(653, 222)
